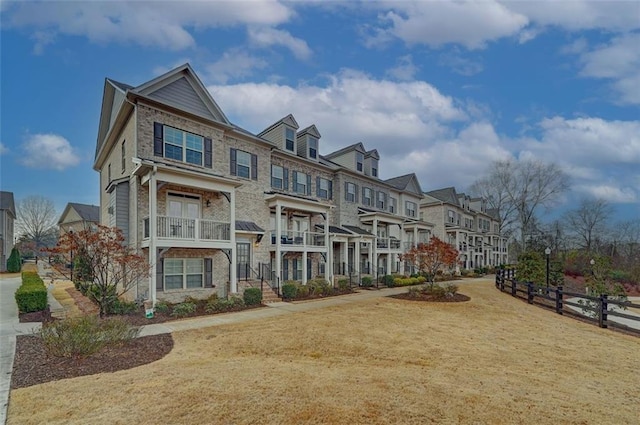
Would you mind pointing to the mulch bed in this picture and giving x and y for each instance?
(36, 316)
(456, 298)
(32, 365)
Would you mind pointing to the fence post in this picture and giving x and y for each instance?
(514, 287)
(530, 292)
(603, 311)
(502, 283)
(559, 299)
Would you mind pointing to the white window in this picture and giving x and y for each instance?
(452, 216)
(359, 161)
(313, 147)
(410, 209)
(183, 146)
(394, 205)
(350, 192)
(182, 273)
(324, 188)
(277, 177)
(374, 167)
(367, 197)
(300, 183)
(382, 201)
(243, 166)
(290, 140)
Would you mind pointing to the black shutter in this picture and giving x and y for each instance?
(208, 153)
(232, 162)
(294, 180)
(295, 270)
(363, 196)
(208, 273)
(318, 187)
(285, 270)
(346, 191)
(158, 142)
(285, 178)
(356, 190)
(160, 275)
(254, 167)
(330, 189)
(308, 184)
(308, 268)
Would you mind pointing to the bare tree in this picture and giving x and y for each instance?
(36, 221)
(518, 189)
(588, 221)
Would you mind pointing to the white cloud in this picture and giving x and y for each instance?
(266, 37)
(3, 149)
(405, 70)
(435, 23)
(164, 23)
(48, 151)
(609, 192)
(233, 65)
(618, 60)
(459, 64)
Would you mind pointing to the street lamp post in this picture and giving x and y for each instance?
(547, 252)
(72, 243)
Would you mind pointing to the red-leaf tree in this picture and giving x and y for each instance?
(430, 257)
(102, 262)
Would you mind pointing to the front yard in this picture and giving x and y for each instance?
(493, 359)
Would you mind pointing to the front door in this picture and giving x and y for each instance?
(243, 250)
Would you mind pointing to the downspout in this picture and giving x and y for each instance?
(153, 252)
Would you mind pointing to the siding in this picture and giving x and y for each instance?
(122, 209)
(181, 94)
(115, 107)
(276, 135)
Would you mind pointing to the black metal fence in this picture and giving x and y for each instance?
(596, 309)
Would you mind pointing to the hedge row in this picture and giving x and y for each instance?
(32, 294)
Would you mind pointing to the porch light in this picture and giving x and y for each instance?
(208, 203)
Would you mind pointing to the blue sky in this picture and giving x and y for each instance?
(440, 88)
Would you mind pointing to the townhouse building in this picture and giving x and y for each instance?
(467, 225)
(215, 208)
(7, 222)
(76, 217)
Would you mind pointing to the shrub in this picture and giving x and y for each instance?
(222, 305)
(162, 307)
(415, 292)
(303, 291)
(388, 280)
(123, 307)
(83, 336)
(14, 262)
(367, 282)
(450, 290)
(407, 281)
(32, 294)
(289, 291)
(183, 309)
(252, 296)
(343, 285)
(319, 287)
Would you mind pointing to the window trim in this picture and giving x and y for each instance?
(359, 161)
(287, 139)
(185, 273)
(123, 153)
(312, 147)
(367, 200)
(183, 147)
(281, 178)
(347, 192)
(406, 208)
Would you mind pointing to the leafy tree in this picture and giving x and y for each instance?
(14, 262)
(113, 267)
(430, 257)
(531, 267)
(599, 282)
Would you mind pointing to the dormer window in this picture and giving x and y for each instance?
(359, 161)
(313, 147)
(290, 140)
(374, 168)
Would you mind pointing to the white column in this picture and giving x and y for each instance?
(153, 234)
(374, 248)
(304, 267)
(278, 247)
(328, 264)
(345, 257)
(234, 253)
(356, 256)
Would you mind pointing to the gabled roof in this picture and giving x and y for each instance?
(447, 194)
(372, 154)
(407, 183)
(113, 95)
(182, 88)
(88, 213)
(7, 203)
(288, 120)
(356, 146)
(312, 130)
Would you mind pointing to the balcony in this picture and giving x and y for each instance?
(292, 238)
(189, 229)
(388, 243)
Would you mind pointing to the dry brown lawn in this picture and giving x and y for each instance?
(493, 360)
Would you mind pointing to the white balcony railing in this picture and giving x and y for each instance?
(388, 243)
(295, 238)
(195, 229)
